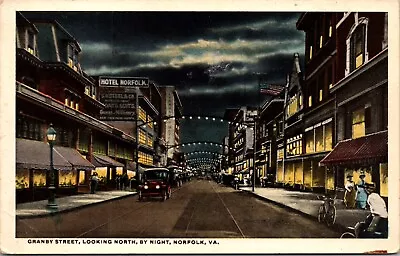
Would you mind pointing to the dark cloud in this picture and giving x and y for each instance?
(211, 57)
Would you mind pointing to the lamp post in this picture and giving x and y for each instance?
(51, 137)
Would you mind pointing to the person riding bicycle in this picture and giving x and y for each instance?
(377, 221)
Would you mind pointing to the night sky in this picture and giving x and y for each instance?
(211, 57)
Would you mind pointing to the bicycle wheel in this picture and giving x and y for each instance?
(347, 235)
(321, 213)
(331, 216)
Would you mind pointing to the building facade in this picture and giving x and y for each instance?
(52, 88)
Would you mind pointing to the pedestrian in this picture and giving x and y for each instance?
(124, 181)
(361, 199)
(379, 220)
(93, 183)
(350, 193)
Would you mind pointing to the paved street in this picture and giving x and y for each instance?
(200, 208)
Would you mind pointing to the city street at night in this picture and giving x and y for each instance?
(199, 209)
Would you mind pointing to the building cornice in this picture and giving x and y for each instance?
(356, 73)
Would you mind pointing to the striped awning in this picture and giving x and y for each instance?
(369, 149)
(32, 154)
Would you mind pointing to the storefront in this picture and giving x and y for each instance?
(106, 169)
(367, 155)
(32, 170)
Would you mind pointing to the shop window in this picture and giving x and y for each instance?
(22, 179)
(357, 47)
(383, 173)
(67, 178)
(328, 136)
(102, 174)
(358, 123)
(310, 141)
(39, 178)
(280, 153)
(319, 139)
(150, 141)
(82, 177)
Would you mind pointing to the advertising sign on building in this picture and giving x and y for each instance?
(118, 94)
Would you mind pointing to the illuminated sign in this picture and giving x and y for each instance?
(142, 82)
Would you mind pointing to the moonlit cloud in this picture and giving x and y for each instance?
(215, 90)
(257, 26)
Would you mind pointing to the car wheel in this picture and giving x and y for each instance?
(164, 195)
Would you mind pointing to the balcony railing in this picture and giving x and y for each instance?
(60, 107)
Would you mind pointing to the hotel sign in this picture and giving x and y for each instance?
(142, 82)
(118, 94)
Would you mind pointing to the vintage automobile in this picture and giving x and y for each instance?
(156, 183)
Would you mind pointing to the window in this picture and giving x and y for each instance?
(357, 47)
(39, 178)
(142, 137)
(142, 114)
(358, 123)
(294, 146)
(22, 179)
(311, 53)
(310, 101)
(150, 120)
(320, 94)
(329, 76)
(31, 43)
(150, 141)
(67, 178)
(73, 57)
(319, 137)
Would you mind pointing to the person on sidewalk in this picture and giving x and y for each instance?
(361, 199)
(377, 221)
(94, 180)
(350, 193)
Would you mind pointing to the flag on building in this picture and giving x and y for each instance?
(271, 89)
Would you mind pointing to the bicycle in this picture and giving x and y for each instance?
(327, 210)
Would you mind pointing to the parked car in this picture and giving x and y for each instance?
(156, 183)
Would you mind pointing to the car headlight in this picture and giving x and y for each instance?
(146, 187)
(158, 186)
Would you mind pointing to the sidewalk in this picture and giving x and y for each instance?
(68, 203)
(308, 204)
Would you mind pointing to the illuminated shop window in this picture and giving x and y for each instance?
(150, 120)
(22, 179)
(39, 178)
(102, 174)
(67, 178)
(294, 146)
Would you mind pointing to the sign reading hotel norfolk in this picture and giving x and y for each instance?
(118, 94)
(124, 81)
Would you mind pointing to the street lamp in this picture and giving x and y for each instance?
(51, 137)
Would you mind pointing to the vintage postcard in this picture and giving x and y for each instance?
(167, 127)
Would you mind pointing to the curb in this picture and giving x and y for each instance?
(47, 214)
(336, 227)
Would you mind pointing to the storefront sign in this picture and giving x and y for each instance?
(142, 82)
(120, 103)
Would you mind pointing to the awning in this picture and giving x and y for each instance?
(369, 149)
(32, 154)
(105, 161)
(74, 158)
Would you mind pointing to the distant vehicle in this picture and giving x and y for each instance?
(156, 183)
(244, 183)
